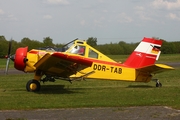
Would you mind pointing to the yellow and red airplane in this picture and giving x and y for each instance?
(81, 61)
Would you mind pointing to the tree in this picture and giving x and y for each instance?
(3, 46)
(32, 44)
(116, 49)
(48, 41)
(92, 41)
(103, 49)
(168, 48)
(128, 48)
(26, 41)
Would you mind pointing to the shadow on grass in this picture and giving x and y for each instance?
(140, 86)
(55, 89)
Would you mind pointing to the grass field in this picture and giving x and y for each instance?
(91, 93)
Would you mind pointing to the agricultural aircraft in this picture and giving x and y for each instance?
(81, 61)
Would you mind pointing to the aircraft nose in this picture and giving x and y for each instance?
(20, 58)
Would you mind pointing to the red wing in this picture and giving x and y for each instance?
(62, 65)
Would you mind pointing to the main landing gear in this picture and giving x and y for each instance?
(33, 86)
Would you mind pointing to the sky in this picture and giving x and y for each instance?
(107, 20)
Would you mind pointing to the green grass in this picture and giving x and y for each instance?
(3, 64)
(169, 58)
(89, 93)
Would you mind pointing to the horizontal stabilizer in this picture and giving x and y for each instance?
(156, 68)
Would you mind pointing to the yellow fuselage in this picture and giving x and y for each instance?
(102, 68)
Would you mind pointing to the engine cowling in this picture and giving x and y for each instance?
(20, 58)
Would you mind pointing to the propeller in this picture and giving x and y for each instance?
(8, 56)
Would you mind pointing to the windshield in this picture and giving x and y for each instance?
(74, 50)
(67, 46)
(77, 49)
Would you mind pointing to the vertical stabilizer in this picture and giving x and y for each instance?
(145, 54)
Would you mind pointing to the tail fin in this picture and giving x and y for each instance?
(145, 54)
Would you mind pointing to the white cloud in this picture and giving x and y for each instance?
(62, 2)
(1, 12)
(82, 22)
(139, 8)
(124, 18)
(144, 17)
(99, 22)
(173, 16)
(142, 13)
(166, 4)
(7, 17)
(12, 17)
(92, 17)
(47, 17)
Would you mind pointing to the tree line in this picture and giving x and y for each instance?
(119, 48)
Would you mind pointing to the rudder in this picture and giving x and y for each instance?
(145, 54)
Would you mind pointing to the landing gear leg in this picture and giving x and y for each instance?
(33, 86)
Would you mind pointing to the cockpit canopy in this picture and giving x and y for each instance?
(77, 49)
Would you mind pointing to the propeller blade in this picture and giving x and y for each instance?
(7, 65)
(10, 47)
(8, 56)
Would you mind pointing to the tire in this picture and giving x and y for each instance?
(158, 85)
(33, 86)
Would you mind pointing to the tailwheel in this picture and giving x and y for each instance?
(158, 84)
(33, 86)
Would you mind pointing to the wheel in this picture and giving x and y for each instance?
(33, 86)
(158, 85)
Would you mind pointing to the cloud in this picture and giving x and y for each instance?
(166, 4)
(62, 2)
(12, 17)
(82, 22)
(1, 12)
(98, 22)
(173, 16)
(139, 8)
(124, 18)
(47, 17)
(142, 13)
(7, 17)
